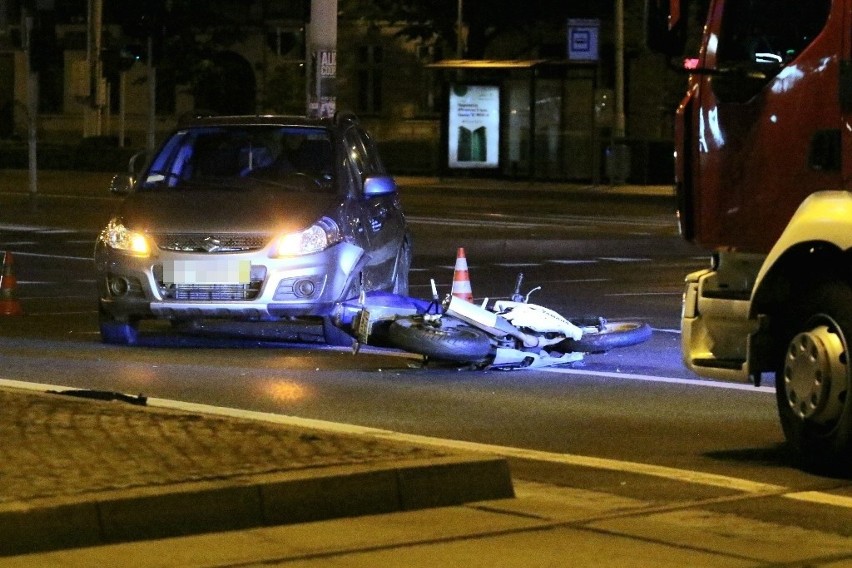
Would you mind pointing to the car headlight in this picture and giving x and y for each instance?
(119, 237)
(319, 236)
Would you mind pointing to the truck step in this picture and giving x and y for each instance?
(720, 363)
(741, 295)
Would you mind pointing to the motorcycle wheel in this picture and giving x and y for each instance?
(462, 343)
(601, 338)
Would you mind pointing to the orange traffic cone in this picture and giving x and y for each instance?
(9, 305)
(461, 278)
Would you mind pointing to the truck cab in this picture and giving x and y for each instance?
(763, 142)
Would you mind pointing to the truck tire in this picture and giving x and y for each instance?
(459, 343)
(609, 335)
(812, 382)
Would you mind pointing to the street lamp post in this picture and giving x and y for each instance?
(459, 23)
(322, 58)
(619, 126)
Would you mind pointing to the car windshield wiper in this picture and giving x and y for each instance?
(298, 181)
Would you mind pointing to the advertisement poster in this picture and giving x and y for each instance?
(474, 126)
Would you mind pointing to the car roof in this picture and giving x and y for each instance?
(266, 119)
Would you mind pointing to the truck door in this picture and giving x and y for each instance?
(766, 117)
(846, 96)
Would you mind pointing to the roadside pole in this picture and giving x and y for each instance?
(151, 134)
(32, 111)
(322, 59)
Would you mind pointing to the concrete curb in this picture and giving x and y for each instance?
(240, 503)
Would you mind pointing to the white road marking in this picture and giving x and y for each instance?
(565, 222)
(571, 261)
(673, 474)
(624, 259)
(38, 255)
(655, 379)
(680, 293)
(8, 227)
(821, 498)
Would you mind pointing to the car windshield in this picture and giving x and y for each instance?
(244, 156)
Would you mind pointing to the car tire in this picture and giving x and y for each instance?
(813, 379)
(461, 343)
(115, 332)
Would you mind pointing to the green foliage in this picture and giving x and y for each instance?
(435, 20)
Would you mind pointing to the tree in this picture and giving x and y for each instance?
(188, 36)
(435, 20)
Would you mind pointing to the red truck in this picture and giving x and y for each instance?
(763, 144)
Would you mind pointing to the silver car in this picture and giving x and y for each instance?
(260, 221)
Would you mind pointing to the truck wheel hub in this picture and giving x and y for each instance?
(815, 375)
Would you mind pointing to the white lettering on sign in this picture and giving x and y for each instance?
(328, 63)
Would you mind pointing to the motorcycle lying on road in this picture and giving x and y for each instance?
(505, 334)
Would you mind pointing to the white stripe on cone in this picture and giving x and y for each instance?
(461, 278)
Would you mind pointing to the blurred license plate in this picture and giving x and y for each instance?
(207, 272)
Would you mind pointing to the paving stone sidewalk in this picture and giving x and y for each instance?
(58, 445)
(81, 472)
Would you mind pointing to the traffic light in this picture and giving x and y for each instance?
(141, 21)
(117, 60)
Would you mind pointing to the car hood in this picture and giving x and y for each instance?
(222, 210)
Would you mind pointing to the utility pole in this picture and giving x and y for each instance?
(322, 58)
(619, 128)
(151, 134)
(96, 81)
(459, 28)
(32, 107)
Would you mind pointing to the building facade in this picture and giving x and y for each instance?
(553, 116)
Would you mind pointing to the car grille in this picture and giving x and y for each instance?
(213, 292)
(206, 242)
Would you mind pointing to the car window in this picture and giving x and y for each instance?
(244, 156)
(363, 154)
(372, 153)
(357, 153)
(769, 32)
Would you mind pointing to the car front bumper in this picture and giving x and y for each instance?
(132, 287)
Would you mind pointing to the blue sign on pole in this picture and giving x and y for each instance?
(583, 39)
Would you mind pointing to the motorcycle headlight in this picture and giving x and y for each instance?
(317, 237)
(116, 236)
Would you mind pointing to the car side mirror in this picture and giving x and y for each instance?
(379, 185)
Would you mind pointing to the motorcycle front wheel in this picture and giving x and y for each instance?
(604, 335)
(458, 343)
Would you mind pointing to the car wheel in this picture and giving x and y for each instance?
(117, 332)
(812, 382)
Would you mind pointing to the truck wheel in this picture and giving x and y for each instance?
(813, 381)
(462, 343)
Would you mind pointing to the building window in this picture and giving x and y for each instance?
(370, 79)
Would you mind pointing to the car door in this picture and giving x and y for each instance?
(382, 220)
